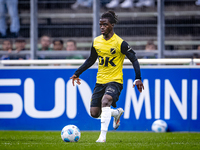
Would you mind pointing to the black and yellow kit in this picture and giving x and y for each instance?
(111, 54)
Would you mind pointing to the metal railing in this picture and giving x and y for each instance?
(85, 53)
(169, 61)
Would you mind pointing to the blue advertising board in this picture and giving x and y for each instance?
(44, 99)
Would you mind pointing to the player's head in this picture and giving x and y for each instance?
(111, 16)
(107, 22)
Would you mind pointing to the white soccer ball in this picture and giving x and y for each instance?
(159, 126)
(70, 133)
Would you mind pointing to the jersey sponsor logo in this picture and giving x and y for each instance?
(112, 50)
(107, 60)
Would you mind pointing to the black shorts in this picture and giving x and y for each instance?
(112, 88)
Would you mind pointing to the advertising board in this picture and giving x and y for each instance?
(44, 99)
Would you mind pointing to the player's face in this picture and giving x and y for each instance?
(105, 26)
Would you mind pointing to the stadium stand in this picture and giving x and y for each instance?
(137, 25)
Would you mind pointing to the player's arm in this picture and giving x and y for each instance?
(130, 54)
(87, 64)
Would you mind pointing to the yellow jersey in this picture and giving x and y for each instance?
(110, 59)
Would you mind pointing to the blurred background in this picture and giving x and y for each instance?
(57, 22)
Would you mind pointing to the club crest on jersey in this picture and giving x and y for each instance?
(112, 50)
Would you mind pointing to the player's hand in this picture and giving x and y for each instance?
(76, 79)
(139, 85)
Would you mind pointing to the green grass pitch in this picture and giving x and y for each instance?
(51, 140)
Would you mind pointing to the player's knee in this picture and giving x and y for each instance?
(107, 101)
(105, 104)
(94, 114)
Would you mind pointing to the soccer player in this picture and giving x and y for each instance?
(111, 50)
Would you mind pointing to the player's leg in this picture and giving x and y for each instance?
(100, 105)
(114, 89)
(105, 117)
(95, 105)
(103, 97)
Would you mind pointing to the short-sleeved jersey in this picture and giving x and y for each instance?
(110, 59)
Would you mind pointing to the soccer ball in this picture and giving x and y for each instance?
(70, 133)
(159, 126)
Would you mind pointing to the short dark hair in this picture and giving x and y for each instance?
(59, 40)
(70, 40)
(111, 16)
(20, 40)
